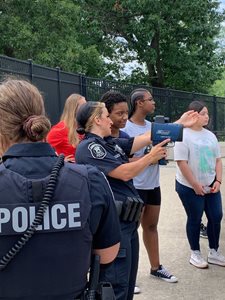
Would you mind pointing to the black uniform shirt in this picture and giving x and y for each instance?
(59, 253)
(35, 160)
(108, 154)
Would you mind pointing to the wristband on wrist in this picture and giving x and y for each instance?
(218, 181)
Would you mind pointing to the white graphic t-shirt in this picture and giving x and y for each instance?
(200, 149)
(149, 178)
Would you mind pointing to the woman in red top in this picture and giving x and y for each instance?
(63, 136)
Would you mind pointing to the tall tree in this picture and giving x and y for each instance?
(218, 88)
(46, 31)
(175, 40)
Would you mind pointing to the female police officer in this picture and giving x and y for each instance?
(111, 156)
(81, 216)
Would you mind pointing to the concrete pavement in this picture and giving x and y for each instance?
(192, 283)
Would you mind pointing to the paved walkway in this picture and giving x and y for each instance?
(174, 252)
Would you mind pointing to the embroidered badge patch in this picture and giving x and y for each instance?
(97, 151)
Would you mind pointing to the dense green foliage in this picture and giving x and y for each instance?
(218, 88)
(175, 43)
(175, 40)
(46, 31)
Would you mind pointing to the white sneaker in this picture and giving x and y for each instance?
(197, 260)
(137, 290)
(216, 258)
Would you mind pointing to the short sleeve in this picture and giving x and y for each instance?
(104, 221)
(180, 151)
(55, 137)
(105, 161)
(217, 147)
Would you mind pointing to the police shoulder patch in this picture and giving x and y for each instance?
(97, 150)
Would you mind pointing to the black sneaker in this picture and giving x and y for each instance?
(203, 231)
(163, 274)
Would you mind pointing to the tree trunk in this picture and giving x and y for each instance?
(156, 76)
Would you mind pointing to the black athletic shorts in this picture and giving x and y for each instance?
(151, 197)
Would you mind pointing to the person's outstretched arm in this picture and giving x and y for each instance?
(129, 170)
(187, 120)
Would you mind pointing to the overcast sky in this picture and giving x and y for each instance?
(222, 3)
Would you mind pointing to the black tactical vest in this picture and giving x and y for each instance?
(55, 261)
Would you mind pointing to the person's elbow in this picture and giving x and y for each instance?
(128, 177)
(120, 174)
(107, 255)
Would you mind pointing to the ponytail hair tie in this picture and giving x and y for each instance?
(80, 130)
(27, 126)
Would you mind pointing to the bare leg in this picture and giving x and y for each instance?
(149, 224)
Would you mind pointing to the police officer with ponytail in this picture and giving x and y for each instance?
(53, 215)
(110, 155)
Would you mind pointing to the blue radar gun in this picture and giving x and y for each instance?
(162, 130)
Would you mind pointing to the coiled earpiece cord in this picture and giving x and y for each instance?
(38, 217)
